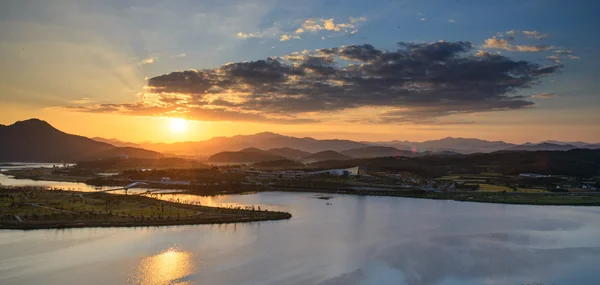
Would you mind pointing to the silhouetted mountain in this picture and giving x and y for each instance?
(112, 164)
(326, 155)
(579, 144)
(593, 146)
(268, 140)
(36, 140)
(376, 151)
(446, 152)
(542, 146)
(577, 162)
(463, 145)
(278, 164)
(264, 140)
(460, 145)
(126, 152)
(117, 142)
(289, 152)
(247, 155)
(400, 145)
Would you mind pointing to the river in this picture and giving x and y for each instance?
(355, 240)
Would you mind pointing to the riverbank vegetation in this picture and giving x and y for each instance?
(525, 198)
(37, 208)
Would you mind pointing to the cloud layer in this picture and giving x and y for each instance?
(414, 83)
(349, 27)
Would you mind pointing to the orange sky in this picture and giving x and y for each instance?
(157, 129)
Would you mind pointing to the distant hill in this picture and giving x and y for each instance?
(577, 162)
(463, 145)
(247, 155)
(578, 144)
(117, 164)
(285, 145)
(278, 164)
(326, 155)
(126, 152)
(593, 146)
(375, 151)
(460, 145)
(37, 141)
(266, 140)
(117, 142)
(289, 152)
(542, 146)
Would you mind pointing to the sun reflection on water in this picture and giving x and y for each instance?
(168, 267)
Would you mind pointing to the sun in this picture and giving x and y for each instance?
(178, 125)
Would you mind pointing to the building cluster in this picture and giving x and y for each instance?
(534, 175)
(295, 174)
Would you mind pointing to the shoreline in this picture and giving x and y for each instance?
(510, 198)
(57, 225)
(56, 211)
(582, 199)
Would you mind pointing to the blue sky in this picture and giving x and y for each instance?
(70, 56)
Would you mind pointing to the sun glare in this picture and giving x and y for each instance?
(178, 125)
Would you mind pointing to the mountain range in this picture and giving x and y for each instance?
(247, 155)
(282, 156)
(117, 142)
(35, 140)
(265, 140)
(545, 146)
(295, 148)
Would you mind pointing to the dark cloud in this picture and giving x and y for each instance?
(417, 82)
(362, 52)
(437, 51)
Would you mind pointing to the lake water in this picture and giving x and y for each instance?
(356, 240)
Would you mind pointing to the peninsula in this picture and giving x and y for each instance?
(36, 208)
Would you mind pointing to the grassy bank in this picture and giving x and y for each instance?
(32, 208)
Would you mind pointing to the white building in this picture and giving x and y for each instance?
(534, 175)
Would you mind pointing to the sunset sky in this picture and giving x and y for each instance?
(364, 70)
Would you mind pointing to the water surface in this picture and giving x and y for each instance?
(356, 240)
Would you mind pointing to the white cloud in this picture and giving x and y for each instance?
(560, 54)
(179, 55)
(529, 34)
(357, 20)
(316, 25)
(330, 25)
(451, 21)
(534, 34)
(499, 43)
(149, 60)
(284, 38)
(423, 19)
(485, 53)
(248, 35)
